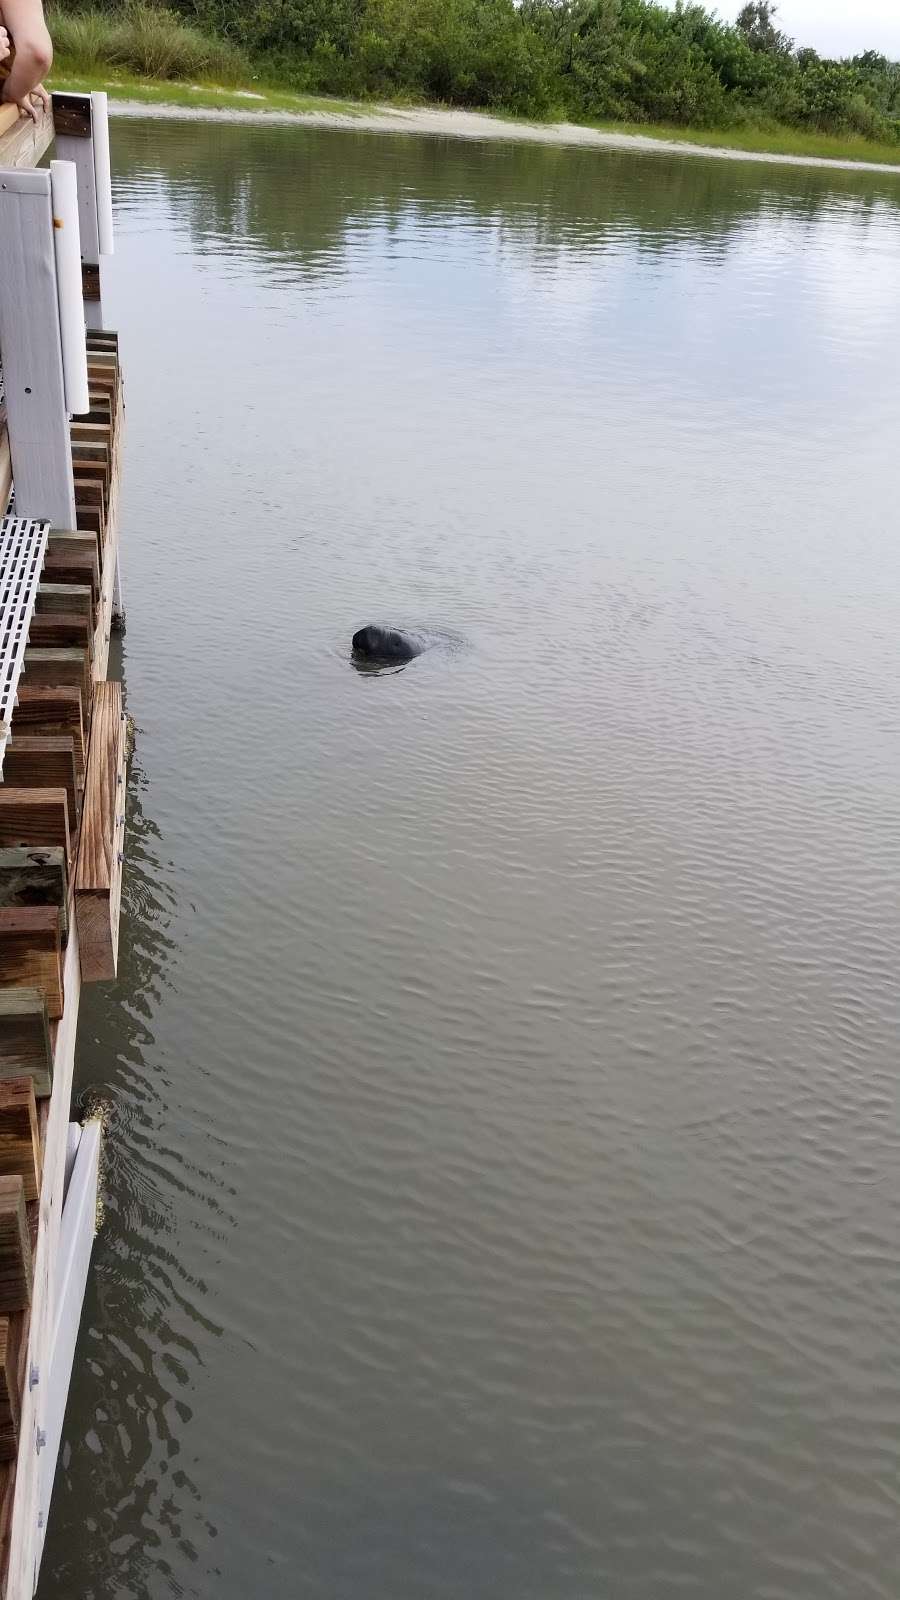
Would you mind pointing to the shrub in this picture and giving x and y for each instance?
(149, 40)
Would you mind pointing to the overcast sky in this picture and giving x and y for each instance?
(835, 27)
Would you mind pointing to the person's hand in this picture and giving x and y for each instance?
(34, 103)
(5, 46)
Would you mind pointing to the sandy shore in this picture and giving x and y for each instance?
(475, 125)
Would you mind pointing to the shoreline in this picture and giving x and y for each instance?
(460, 124)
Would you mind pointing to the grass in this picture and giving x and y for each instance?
(774, 139)
(208, 96)
(144, 39)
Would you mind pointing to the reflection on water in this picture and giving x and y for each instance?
(503, 1191)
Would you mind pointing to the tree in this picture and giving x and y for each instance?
(757, 23)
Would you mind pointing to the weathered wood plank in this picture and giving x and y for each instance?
(35, 878)
(92, 519)
(91, 433)
(23, 142)
(89, 494)
(91, 468)
(33, 817)
(103, 339)
(33, 761)
(58, 669)
(20, 1144)
(98, 876)
(64, 597)
(15, 1246)
(78, 567)
(73, 542)
(56, 712)
(60, 630)
(9, 1394)
(90, 452)
(30, 952)
(5, 465)
(25, 1038)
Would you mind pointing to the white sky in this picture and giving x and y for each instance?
(835, 27)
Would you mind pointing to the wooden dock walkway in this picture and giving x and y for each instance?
(62, 774)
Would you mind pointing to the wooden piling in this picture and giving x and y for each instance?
(98, 877)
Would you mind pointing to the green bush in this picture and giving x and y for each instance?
(636, 60)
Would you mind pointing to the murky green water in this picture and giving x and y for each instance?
(504, 1180)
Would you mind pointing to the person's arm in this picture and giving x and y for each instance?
(33, 56)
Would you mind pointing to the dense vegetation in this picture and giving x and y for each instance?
(629, 60)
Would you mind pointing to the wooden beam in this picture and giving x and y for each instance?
(33, 761)
(91, 518)
(98, 876)
(30, 877)
(90, 432)
(103, 339)
(25, 1038)
(9, 1394)
(77, 566)
(64, 597)
(60, 630)
(33, 817)
(30, 952)
(23, 142)
(15, 1246)
(20, 1140)
(75, 542)
(5, 465)
(59, 669)
(52, 711)
(88, 494)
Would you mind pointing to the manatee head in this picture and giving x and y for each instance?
(377, 644)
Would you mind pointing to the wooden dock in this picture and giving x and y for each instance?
(62, 771)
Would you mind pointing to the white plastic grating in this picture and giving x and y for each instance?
(23, 545)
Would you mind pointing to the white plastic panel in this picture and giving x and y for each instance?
(76, 1238)
(23, 545)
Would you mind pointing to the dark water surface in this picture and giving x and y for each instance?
(503, 1197)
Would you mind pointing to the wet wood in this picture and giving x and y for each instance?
(98, 877)
(25, 1038)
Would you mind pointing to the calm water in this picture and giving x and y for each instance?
(503, 1197)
